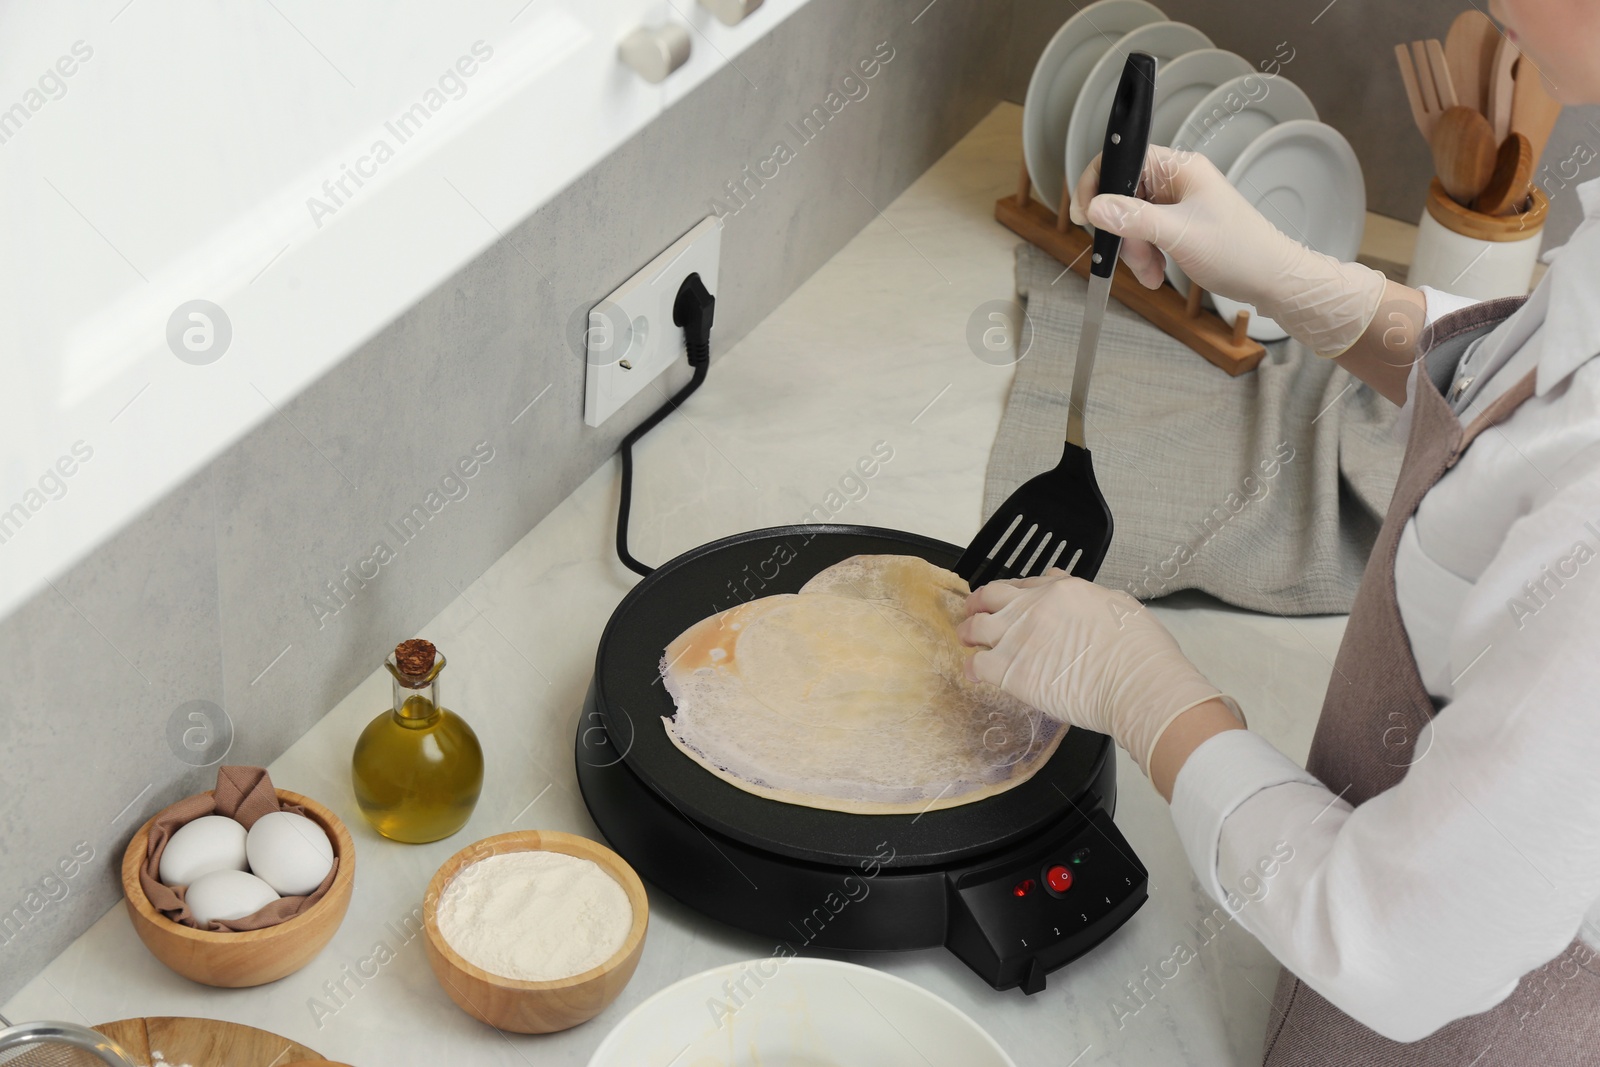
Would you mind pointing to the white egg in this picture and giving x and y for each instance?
(289, 852)
(209, 843)
(224, 895)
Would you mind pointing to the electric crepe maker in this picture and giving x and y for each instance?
(1015, 885)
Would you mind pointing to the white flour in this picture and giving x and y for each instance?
(534, 916)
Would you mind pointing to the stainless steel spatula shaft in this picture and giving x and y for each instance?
(1094, 314)
(1060, 518)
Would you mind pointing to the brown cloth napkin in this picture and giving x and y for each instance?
(243, 794)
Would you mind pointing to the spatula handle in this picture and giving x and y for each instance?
(1122, 157)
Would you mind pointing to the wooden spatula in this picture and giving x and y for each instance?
(1502, 87)
(1469, 48)
(1060, 517)
(1533, 112)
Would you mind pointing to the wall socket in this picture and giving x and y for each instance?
(631, 339)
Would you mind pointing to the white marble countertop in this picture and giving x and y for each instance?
(872, 348)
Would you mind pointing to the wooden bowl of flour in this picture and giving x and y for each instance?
(534, 1007)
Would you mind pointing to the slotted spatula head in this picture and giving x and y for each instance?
(1060, 518)
(1055, 519)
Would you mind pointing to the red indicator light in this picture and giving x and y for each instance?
(1023, 888)
(1058, 878)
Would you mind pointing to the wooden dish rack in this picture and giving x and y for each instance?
(1204, 331)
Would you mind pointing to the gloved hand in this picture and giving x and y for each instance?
(1196, 216)
(1085, 655)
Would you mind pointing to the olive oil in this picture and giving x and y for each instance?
(418, 768)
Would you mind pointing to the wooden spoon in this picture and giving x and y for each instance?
(1513, 173)
(1501, 89)
(1533, 112)
(1463, 153)
(1469, 48)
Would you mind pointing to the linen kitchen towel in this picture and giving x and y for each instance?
(1265, 490)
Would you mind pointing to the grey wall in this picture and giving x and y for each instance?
(1344, 60)
(208, 597)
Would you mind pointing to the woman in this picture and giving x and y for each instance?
(1446, 842)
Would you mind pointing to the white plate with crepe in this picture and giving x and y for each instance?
(1057, 79)
(1229, 119)
(781, 1011)
(1305, 178)
(1087, 131)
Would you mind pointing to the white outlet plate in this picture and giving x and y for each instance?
(631, 338)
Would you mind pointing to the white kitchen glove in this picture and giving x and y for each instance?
(1085, 655)
(1196, 216)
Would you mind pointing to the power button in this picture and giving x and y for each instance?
(1058, 879)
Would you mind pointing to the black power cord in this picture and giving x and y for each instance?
(693, 309)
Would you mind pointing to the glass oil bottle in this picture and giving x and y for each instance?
(418, 768)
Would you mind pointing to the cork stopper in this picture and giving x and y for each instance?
(415, 657)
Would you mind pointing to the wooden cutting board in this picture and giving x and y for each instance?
(203, 1043)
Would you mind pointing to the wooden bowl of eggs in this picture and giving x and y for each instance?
(534, 931)
(243, 958)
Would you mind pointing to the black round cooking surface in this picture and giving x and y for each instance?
(631, 700)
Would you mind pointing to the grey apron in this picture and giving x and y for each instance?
(1375, 707)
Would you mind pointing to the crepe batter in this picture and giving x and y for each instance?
(851, 695)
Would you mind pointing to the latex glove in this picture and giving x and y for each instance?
(1086, 655)
(1195, 215)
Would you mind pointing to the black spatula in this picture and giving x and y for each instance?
(1059, 518)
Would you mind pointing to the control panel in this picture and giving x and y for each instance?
(1021, 917)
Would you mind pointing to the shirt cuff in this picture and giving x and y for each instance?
(1219, 775)
(1436, 304)
(1439, 303)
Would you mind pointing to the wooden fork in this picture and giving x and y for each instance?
(1426, 74)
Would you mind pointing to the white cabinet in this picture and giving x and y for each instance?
(205, 206)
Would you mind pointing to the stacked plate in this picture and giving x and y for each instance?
(1259, 129)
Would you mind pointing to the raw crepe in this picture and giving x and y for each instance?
(850, 696)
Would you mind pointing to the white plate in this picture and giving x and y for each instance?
(1059, 75)
(1086, 133)
(1305, 178)
(793, 1012)
(1187, 80)
(1229, 118)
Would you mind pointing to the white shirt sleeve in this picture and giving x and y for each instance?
(1440, 303)
(1431, 900)
(1221, 774)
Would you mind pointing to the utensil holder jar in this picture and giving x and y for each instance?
(1471, 254)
